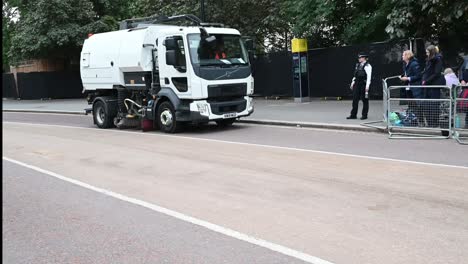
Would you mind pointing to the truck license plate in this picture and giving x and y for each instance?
(229, 115)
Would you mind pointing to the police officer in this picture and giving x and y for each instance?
(360, 86)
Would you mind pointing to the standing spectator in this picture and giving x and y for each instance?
(432, 75)
(462, 106)
(450, 78)
(412, 76)
(360, 86)
(412, 73)
(463, 71)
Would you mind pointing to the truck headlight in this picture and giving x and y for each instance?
(252, 86)
(251, 104)
(202, 108)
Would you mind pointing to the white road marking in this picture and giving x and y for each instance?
(213, 227)
(70, 113)
(252, 144)
(44, 111)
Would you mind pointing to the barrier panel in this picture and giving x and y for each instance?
(460, 114)
(430, 117)
(383, 124)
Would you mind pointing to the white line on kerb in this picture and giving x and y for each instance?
(25, 111)
(250, 144)
(213, 227)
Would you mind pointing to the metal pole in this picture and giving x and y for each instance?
(202, 10)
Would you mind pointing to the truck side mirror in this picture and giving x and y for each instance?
(171, 58)
(171, 44)
(175, 59)
(252, 59)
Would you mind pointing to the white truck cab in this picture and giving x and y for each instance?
(166, 73)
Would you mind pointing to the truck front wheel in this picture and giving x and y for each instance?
(101, 115)
(167, 118)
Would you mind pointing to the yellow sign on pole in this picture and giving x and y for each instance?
(298, 45)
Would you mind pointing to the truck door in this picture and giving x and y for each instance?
(173, 65)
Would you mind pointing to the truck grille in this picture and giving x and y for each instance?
(227, 90)
(219, 108)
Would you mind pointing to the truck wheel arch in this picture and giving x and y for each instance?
(167, 94)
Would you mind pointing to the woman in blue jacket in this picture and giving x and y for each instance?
(412, 73)
(412, 76)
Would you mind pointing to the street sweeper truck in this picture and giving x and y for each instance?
(158, 72)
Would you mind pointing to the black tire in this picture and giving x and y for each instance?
(166, 118)
(225, 122)
(101, 115)
(445, 133)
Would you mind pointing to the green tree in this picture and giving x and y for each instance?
(261, 19)
(330, 23)
(9, 12)
(336, 22)
(57, 28)
(422, 18)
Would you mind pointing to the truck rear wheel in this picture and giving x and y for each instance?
(101, 115)
(167, 118)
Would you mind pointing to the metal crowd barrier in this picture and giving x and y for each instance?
(382, 124)
(460, 115)
(419, 118)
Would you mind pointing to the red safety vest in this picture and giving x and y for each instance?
(223, 56)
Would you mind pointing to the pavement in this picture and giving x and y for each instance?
(317, 113)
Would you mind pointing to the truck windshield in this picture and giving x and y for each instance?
(217, 50)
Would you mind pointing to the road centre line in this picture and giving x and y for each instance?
(252, 144)
(210, 226)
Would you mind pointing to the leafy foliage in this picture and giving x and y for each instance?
(335, 22)
(422, 18)
(261, 19)
(8, 14)
(57, 28)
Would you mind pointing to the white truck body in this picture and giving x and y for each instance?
(129, 58)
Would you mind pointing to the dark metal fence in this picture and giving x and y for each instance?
(273, 74)
(9, 86)
(54, 85)
(331, 69)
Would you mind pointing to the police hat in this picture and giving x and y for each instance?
(362, 54)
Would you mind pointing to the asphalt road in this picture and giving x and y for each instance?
(438, 151)
(46, 220)
(361, 201)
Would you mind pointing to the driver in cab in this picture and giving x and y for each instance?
(219, 52)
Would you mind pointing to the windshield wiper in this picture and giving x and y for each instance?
(221, 65)
(210, 64)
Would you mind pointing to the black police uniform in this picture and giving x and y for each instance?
(359, 90)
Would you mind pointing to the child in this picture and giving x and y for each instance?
(450, 78)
